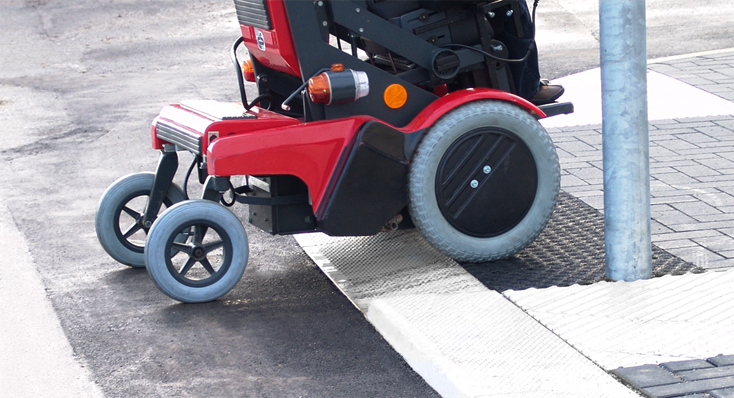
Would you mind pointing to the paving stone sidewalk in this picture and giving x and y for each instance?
(713, 73)
(713, 377)
(691, 167)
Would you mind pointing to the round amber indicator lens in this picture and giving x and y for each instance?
(395, 96)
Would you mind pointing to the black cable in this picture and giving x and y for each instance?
(500, 59)
(186, 178)
(258, 99)
(492, 56)
(284, 104)
(234, 197)
(240, 79)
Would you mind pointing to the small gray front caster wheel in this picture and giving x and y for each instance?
(119, 216)
(211, 260)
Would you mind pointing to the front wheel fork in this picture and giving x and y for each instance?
(214, 187)
(166, 170)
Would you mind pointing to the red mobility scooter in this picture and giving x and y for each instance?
(372, 115)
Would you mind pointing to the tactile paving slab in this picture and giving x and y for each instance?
(653, 321)
(569, 251)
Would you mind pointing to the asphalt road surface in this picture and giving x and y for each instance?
(80, 81)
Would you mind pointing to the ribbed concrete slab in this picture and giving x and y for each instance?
(464, 339)
(385, 265)
(623, 324)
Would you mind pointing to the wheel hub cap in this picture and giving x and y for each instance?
(198, 253)
(486, 182)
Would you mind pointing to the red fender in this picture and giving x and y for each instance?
(441, 106)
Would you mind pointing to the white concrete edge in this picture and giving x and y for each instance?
(415, 348)
(36, 359)
(518, 372)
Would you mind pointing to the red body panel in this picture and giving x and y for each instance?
(279, 53)
(273, 144)
(309, 151)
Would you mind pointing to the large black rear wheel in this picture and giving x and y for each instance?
(484, 181)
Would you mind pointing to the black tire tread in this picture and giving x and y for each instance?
(109, 201)
(420, 174)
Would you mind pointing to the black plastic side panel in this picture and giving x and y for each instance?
(373, 187)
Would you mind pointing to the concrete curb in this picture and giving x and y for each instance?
(36, 359)
(462, 338)
(482, 345)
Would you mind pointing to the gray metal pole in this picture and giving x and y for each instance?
(625, 139)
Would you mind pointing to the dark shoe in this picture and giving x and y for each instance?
(548, 93)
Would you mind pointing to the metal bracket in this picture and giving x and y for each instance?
(215, 187)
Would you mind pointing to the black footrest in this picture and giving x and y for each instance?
(557, 108)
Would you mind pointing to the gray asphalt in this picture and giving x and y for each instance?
(80, 82)
(85, 82)
(568, 31)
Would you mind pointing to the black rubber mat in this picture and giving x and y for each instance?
(569, 251)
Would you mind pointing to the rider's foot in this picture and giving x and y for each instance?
(547, 93)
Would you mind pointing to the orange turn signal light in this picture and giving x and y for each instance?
(248, 72)
(338, 86)
(319, 89)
